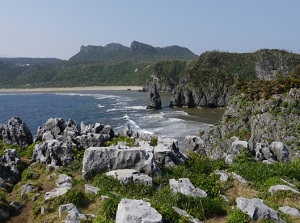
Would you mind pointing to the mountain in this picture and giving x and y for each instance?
(137, 51)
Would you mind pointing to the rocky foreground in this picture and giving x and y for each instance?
(246, 167)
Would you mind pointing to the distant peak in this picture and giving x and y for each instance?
(138, 46)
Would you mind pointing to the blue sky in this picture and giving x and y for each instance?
(57, 28)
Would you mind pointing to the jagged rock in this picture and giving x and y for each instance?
(74, 214)
(279, 150)
(91, 140)
(64, 180)
(238, 178)
(16, 205)
(154, 100)
(89, 189)
(55, 125)
(183, 213)
(256, 209)
(275, 188)
(16, 132)
(194, 144)
(263, 152)
(166, 153)
(289, 210)
(9, 166)
(47, 136)
(27, 188)
(184, 186)
(1, 129)
(127, 176)
(57, 192)
(127, 131)
(103, 159)
(53, 152)
(238, 146)
(223, 175)
(137, 211)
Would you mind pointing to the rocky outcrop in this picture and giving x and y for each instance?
(16, 132)
(103, 159)
(289, 210)
(9, 166)
(275, 188)
(137, 211)
(74, 214)
(154, 100)
(53, 152)
(267, 128)
(257, 210)
(128, 176)
(63, 183)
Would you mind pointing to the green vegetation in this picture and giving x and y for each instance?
(127, 141)
(237, 216)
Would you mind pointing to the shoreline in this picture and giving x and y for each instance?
(70, 89)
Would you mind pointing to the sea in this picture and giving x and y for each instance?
(115, 108)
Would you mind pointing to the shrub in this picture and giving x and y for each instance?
(127, 140)
(74, 196)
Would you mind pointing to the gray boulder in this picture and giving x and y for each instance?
(89, 189)
(185, 186)
(223, 175)
(16, 205)
(53, 152)
(275, 188)
(127, 176)
(74, 214)
(91, 140)
(56, 192)
(289, 210)
(64, 180)
(9, 166)
(238, 146)
(127, 131)
(256, 209)
(239, 178)
(279, 150)
(130, 211)
(98, 160)
(194, 144)
(154, 100)
(166, 153)
(27, 188)
(183, 213)
(16, 132)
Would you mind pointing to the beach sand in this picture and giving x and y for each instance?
(71, 89)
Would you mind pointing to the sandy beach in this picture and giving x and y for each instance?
(71, 89)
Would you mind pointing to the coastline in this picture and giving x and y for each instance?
(71, 89)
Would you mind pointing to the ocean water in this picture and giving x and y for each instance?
(115, 108)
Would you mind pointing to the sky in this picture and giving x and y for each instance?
(57, 28)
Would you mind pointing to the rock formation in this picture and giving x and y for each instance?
(16, 132)
(154, 101)
(9, 166)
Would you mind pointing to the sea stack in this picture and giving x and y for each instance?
(154, 101)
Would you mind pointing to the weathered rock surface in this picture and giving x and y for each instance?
(194, 144)
(63, 183)
(154, 100)
(16, 205)
(57, 192)
(137, 211)
(9, 166)
(53, 152)
(103, 159)
(27, 188)
(256, 209)
(55, 126)
(63, 180)
(74, 214)
(275, 188)
(127, 176)
(185, 214)
(289, 210)
(184, 186)
(89, 189)
(16, 132)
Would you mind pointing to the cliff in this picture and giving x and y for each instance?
(210, 83)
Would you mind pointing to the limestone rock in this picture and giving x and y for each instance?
(16, 132)
(137, 211)
(256, 209)
(194, 144)
(27, 188)
(89, 189)
(57, 192)
(185, 214)
(16, 205)
(223, 175)
(54, 125)
(91, 140)
(53, 152)
(127, 176)
(9, 166)
(289, 210)
(74, 214)
(238, 178)
(154, 100)
(103, 159)
(275, 188)
(64, 180)
(184, 186)
(279, 150)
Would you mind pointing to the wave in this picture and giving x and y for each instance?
(100, 106)
(111, 109)
(135, 107)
